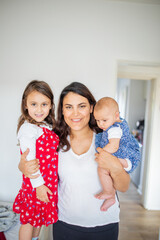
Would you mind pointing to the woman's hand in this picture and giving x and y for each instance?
(108, 161)
(28, 167)
(120, 178)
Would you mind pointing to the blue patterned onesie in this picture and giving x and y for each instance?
(128, 146)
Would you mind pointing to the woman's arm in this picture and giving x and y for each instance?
(121, 179)
(28, 167)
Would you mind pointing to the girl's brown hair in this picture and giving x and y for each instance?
(43, 88)
(62, 129)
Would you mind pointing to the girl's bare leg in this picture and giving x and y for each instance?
(36, 232)
(25, 232)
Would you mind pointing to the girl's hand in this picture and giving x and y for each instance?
(28, 167)
(42, 193)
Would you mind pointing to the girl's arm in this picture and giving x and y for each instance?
(28, 168)
(120, 177)
(27, 136)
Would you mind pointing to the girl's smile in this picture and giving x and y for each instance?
(38, 106)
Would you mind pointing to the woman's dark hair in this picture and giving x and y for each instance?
(62, 129)
(43, 88)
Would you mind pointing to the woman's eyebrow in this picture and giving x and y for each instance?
(79, 104)
(67, 104)
(46, 101)
(82, 103)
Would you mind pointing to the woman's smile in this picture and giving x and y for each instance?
(76, 111)
(76, 120)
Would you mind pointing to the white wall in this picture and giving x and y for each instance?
(60, 41)
(123, 87)
(151, 196)
(137, 102)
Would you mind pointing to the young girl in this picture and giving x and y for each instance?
(37, 199)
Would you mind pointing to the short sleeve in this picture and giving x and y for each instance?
(127, 169)
(114, 132)
(27, 136)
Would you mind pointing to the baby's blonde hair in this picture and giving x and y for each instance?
(107, 102)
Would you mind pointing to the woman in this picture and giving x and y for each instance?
(79, 213)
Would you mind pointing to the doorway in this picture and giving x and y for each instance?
(148, 169)
(133, 97)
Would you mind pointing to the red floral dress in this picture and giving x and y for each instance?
(32, 210)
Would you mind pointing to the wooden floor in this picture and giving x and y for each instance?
(137, 223)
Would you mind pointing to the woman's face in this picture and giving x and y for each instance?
(76, 111)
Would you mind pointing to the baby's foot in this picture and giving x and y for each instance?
(107, 204)
(103, 195)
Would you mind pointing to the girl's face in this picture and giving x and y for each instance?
(38, 106)
(76, 111)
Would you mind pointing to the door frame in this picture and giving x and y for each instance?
(151, 72)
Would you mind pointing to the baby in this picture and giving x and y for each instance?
(115, 139)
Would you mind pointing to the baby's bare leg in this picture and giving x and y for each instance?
(107, 184)
(108, 191)
(107, 204)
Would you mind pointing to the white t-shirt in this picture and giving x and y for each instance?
(114, 132)
(78, 183)
(27, 136)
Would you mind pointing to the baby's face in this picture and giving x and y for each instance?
(105, 118)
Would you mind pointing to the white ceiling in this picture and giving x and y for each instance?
(139, 1)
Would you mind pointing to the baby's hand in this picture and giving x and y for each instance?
(41, 193)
